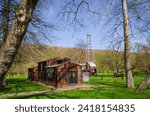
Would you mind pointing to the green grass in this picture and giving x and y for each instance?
(108, 79)
(106, 88)
(16, 84)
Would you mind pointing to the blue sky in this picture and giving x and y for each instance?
(67, 36)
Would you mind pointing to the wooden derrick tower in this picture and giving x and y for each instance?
(90, 53)
(90, 63)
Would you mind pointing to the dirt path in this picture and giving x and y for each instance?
(23, 94)
(68, 88)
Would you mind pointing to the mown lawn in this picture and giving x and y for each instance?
(16, 84)
(106, 88)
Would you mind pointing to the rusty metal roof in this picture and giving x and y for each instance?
(57, 65)
(50, 59)
(92, 64)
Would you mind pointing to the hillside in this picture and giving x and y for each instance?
(29, 55)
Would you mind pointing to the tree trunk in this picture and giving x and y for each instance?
(117, 66)
(15, 36)
(5, 17)
(128, 71)
(2, 83)
(144, 84)
(6, 10)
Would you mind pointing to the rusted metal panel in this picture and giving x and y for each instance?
(33, 74)
(41, 71)
(91, 68)
(52, 61)
(30, 74)
(42, 68)
(63, 71)
(64, 60)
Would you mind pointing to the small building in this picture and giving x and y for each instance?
(85, 73)
(57, 72)
(84, 66)
(64, 74)
(33, 74)
(91, 67)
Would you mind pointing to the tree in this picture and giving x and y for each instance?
(142, 58)
(128, 71)
(13, 40)
(72, 9)
(144, 84)
(117, 54)
(80, 48)
(146, 65)
(5, 13)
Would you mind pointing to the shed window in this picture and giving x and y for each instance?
(29, 74)
(41, 67)
(74, 75)
(41, 73)
(50, 72)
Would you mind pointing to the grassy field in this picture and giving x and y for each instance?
(106, 88)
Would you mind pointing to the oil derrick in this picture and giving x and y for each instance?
(90, 64)
(90, 53)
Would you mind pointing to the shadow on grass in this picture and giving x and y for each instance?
(12, 83)
(20, 85)
(96, 93)
(114, 85)
(46, 96)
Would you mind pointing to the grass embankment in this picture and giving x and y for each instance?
(105, 88)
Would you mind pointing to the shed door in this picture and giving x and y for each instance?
(73, 76)
(85, 76)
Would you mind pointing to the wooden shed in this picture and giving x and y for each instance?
(33, 74)
(57, 72)
(64, 74)
(42, 65)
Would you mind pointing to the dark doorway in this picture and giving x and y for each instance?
(72, 77)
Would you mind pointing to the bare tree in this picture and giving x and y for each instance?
(144, 84)
(145, 56)
(120, 13)
(30, 37)
(117, 54)
(6, 10)
(128, 71)
(80, 47)
(15, 36)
